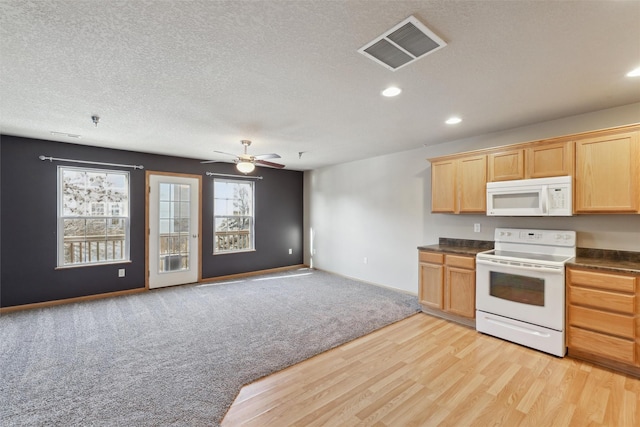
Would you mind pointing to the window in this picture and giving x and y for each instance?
(232, 216)
(175, 220)
(93, 216)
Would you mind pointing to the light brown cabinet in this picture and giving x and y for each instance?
(603, 317)
(460, 285)
(604, 164)
(459, 185)
(431, 279)
(443, 186)
(535, 160)
(506, 165)
(608, 174)
(545, 160)
(448, 283)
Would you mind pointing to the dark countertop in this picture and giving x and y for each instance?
(607, 260)
(461, 250)
(458, 246)
(597, 259)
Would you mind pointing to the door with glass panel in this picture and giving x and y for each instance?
(173, 229)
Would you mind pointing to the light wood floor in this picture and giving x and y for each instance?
(424, 371)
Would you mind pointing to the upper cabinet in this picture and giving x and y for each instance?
(608, 173)
(536, 160)
(545, 160)
(461, 185)
(443, 195)
(506, 165)
(472, 188)
(604, 164)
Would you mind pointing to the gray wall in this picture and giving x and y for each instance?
(380, 208)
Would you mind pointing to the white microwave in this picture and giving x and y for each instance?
(530, 197)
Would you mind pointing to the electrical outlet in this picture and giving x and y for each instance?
(476, 228)
(365, 260)
(121, 272)
(290, 251)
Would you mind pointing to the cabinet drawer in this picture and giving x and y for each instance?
(432, 257)
(604, 345)
(613, 282)
(614, 301)
(609, 323)
(460, 261)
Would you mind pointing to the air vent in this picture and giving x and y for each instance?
(405, 43)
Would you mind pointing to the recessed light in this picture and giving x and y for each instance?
(634, 73)
(391, 91)
(453, 120)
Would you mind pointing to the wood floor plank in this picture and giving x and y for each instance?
(385, 402)
(408, 412)
(630, 411)
(426, 371)
(359, 390)
(498, 385)
(531, 396)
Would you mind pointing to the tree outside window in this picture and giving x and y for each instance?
(233, 220)
(93, 216)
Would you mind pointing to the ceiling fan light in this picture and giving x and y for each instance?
(245, 167)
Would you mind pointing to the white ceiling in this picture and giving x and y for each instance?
(189, 77)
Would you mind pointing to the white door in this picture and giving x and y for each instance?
(174, 229)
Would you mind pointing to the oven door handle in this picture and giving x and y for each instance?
(519, 266)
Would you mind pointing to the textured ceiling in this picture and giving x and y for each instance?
(189, 77)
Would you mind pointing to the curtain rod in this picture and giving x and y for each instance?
(90, 163)
(233, 176)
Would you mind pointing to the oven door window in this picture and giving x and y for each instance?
(516, 288)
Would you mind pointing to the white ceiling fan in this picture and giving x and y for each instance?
(246, 163)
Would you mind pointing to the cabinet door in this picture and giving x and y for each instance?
(430, 292)
(506, 165)
(544, 160)
(460, 291)
(472, 172)
(443, 186)
(608, 173)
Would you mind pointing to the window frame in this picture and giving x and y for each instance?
(107, 207)
(252, 233)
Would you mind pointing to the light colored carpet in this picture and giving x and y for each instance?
(177, 356)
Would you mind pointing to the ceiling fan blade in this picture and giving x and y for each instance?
(270, 164)
(267, 156)
(222, 152)
(210, 161)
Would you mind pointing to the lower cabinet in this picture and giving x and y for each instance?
(448, 284)
(603, 318)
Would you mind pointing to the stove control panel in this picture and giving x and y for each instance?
(538, 237)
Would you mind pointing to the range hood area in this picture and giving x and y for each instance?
(530, 197)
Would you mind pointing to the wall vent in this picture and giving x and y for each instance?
(405, 43)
